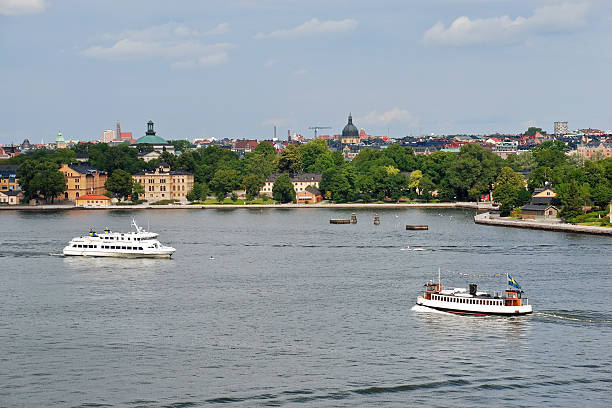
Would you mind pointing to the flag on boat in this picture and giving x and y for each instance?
(512, 282)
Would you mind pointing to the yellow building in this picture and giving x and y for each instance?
(544, 192)
(163, 184)
(82, 179)
(92, 200)
(300, 182)
(8, 177)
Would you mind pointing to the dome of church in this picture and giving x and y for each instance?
(350, 130)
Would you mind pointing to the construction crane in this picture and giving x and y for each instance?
(315, 128)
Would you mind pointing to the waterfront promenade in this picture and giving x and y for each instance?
(496, 220)
(56, 207)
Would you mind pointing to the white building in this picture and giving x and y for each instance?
(108, 136)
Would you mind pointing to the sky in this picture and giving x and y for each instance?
(236, 68)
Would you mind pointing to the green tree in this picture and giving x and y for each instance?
(532, 131)
(198, 192)
(137, 191)
(290, 160)
(426, 188)
(415, 179)
(224, 181)
(41, 179)
(403, 157)
(252, 184)
(571, 201)
(282, 190)
(181, 145)
(311, 151)
(507, 189)
(120, 184)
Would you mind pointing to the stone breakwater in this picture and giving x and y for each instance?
(496, 220)
(471, 205)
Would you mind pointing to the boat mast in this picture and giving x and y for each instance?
(439, 287)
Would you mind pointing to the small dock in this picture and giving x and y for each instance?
(417, 227)
(339, 221)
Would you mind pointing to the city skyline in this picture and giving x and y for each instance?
(237, 68)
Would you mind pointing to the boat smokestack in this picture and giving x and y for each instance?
(473, 287)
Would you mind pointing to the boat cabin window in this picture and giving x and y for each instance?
(140, 248)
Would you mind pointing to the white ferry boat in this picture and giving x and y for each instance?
(135, 244)
(460, 301)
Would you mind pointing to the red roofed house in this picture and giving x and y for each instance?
(93, 200)
(244, 146)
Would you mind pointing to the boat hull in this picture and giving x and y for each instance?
(117, 254)
(475, 310)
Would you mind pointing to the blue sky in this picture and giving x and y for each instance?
(234, 68)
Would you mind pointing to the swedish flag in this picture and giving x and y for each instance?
(512, 282)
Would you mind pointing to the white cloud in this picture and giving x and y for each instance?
(313, 27)
(464, 31)
(301, 72)
(16, 7)
(177, 43)
(220, 28)
(393, 115)
(271, 62)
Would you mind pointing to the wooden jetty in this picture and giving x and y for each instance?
(339, 221)
(417, 227)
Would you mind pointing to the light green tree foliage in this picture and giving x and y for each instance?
(282, 190)
(415, 179)
(290, 160)
(119, 184)
(311, 151)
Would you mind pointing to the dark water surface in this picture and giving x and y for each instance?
(293, 311)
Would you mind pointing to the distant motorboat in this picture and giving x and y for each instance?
(134, 244)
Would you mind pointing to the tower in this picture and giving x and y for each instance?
(118, 134)
(150, 130)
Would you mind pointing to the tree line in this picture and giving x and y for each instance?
(373, 175)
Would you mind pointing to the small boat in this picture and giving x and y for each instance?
(473, 302)
(134, 244)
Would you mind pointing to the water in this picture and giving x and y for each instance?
(293, 311)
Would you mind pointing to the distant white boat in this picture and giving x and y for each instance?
(135, 244)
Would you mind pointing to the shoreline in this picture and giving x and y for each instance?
(488, 219)
(56, 207)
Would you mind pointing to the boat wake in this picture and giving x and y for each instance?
(577, 316)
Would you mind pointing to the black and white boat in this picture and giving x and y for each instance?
(510, 302)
